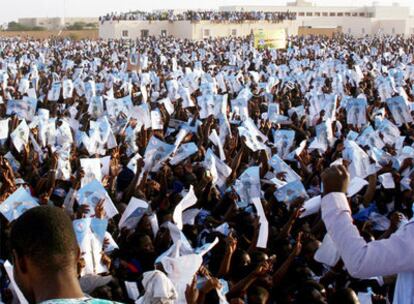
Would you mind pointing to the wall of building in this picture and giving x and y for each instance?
(48, 23)
(187, 29)
(28, 21)
(358, 27)
(133, 29)
(306, 10)
(182, 29)
(238, 29)
(410, 26)
(393, 12)
(391, 27)
(56, 22)
(107, 30)
(357, 21)
(73, 20)
(329, 32)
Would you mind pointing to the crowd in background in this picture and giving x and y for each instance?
(195, 16)
(203, 160)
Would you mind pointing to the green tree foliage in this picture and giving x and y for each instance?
(79, 26)
(15, 26)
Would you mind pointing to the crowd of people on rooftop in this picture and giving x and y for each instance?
(196, 16)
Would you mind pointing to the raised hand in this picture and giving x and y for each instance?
(99, 209)
(191, 292)
(335, 179)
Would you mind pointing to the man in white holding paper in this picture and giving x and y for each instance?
(362, 259)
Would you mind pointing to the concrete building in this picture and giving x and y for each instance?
(185, 29)
(310, 19)
(57, 23)
(358, 21)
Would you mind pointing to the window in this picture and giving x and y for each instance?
(124, 33)
(361, 14)
(163, 33)
(144, 33)
(393, 30)
(340, 14)
(206, 33)
(332, 14)
(301, 14)
(349, 31)
(234, 32)
(325, 14)
(317, 14)
(354, 14)
(363, 30)
(348, 14)
(309, 14)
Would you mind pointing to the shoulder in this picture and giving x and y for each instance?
(407, 226)
(79, 301)
(100, 301)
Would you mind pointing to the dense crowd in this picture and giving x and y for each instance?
(195, 16)
(191, 171)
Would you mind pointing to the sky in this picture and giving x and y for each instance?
(15, 9)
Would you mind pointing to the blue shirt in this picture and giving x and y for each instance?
(78, 301)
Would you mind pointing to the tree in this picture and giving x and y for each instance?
(15, 26)
(80, 25)
(77, 26)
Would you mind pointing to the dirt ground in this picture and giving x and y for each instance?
(77, 35)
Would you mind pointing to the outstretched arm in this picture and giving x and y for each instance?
(362, 259)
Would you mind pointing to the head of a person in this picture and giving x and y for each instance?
(257, 295)
(258, 257)
(44, 246)
(345, 296)
(240, 264)
(139, 244)
(311, 292)
(309, 249)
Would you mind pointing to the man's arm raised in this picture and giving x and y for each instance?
(362, 259)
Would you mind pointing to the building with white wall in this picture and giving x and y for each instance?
(186, 29)
(57, 23)
(358, 21)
